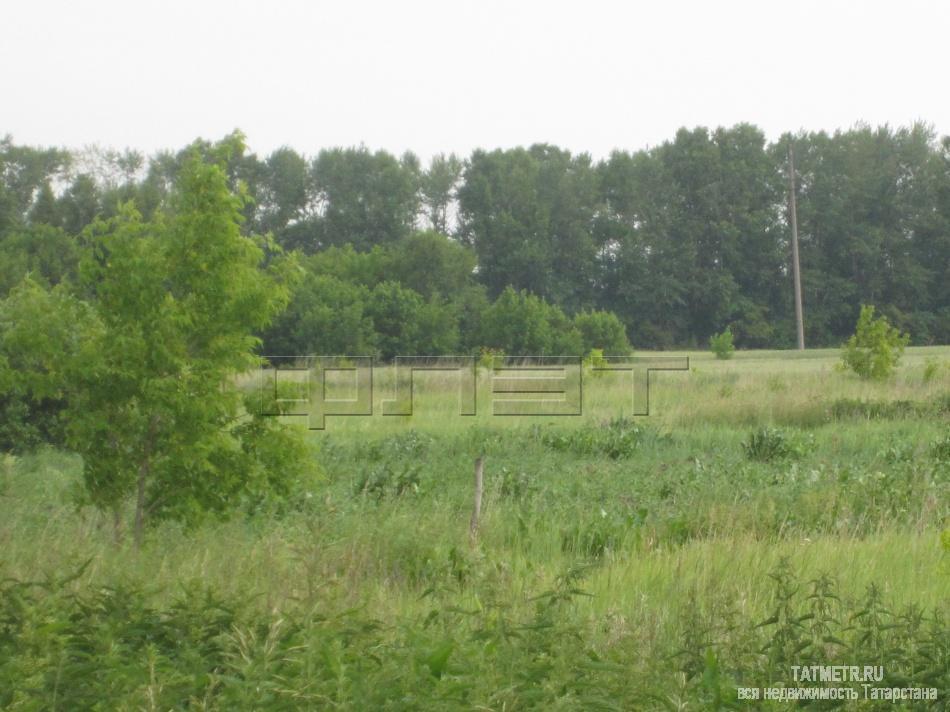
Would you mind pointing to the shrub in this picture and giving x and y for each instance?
(406, 324)
(604, 332)
(617, 439)
(489, 357)
(767, 444)
(874, 350)
(522, 324)
(595, 359)
(721, 344)
(326, 316)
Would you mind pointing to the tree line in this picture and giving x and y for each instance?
(540, 250)
(134, 292)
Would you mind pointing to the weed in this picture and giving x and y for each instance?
(616, 439)
(767, 444)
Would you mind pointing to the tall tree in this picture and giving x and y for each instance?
(23, 172)
(438, 186)
(529, 214)
(285, 191)
(364, 199)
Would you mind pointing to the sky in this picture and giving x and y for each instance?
(452, 76)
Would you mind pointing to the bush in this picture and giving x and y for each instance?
(408, 325)
(489, 357)
(767, 444)
(875, 349)
(617, 439)
(721, 344)
(522, 324)
(595, 359)
(603, 331)
(326, 316)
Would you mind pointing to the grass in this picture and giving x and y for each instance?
(622, 563)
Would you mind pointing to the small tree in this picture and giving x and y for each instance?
(604, 331)
(721, 344)
(595, 360)
(876, 347)
(145, 353)
(523, 324)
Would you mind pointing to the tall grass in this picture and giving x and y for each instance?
(622, 563)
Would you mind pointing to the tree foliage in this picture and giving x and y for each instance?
(145, 349)
(721, 344)
(875, 348)
(521, 324)
(602, 331)
(674, 240)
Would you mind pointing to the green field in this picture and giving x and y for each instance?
(771, 511)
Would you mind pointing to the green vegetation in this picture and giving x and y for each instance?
(722, 345)
(674, 241)
(767, 443)
(875, 349)
(142, 353)
(648, 563)
(774, 509)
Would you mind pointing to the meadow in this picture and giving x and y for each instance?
(770, 511)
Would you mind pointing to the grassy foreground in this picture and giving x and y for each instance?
(770, 512)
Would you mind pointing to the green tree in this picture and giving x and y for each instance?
(690, 236)
(437, 186)
(147, 361)
(721, 344)
(327, 317)
(46, 253)
(408, 325)
(79, 206)
(285, 191)
(643, 267)
(431, 263)
(875, 349)
(604, 331)
(521, 324)
(528, 213)
(45, 210)
(23, 172)
(365, 199)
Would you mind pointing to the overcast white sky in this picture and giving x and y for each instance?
(452, 76)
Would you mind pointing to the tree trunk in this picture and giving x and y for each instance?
(144, 468)
(140, 504)
(117, 523)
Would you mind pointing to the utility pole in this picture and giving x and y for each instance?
(796, 269)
